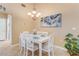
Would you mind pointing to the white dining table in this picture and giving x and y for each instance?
(39, 39)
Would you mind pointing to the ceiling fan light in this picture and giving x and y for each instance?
(32, 15)
(29, 13)
(34, 12)
(38, 14)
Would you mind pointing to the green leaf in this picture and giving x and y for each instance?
(68, 40)
(72, 44)
(69, 35)
(68, 46)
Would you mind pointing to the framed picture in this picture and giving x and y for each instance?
(52, 20)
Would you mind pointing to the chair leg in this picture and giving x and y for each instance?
(40, 49)
(24, 51)
(27, 52)
(52, 52)
(32, 53)
(20, 50)
(49, 53)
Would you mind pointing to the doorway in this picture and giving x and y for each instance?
(2, 29)
(6, 31)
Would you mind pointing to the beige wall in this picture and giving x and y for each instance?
(3, 15)
(22, 22)
(20, 25)
(70, 19)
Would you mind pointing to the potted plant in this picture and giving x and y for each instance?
(72, 44)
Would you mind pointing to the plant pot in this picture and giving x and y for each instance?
(72, 54)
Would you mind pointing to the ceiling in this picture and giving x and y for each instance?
(16, 7)
(18, 10)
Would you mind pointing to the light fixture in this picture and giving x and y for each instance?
(34, 14)
(74, 28)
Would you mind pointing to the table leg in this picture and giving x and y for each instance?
(40, 49)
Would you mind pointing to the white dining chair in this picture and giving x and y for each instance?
(48, 46)
(22, 41)
(42, 33)
(26, 43)
(29, 45)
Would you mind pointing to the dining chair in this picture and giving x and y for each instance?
(48, 46)
(26, 43)
(42, 33)
(22, 41)
(30, 46)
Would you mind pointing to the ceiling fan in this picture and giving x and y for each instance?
(34, 13)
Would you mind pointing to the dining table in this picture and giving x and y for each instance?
(39, 39)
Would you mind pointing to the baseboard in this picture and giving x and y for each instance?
(61, 48)
(14, 45)
(55, 46)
